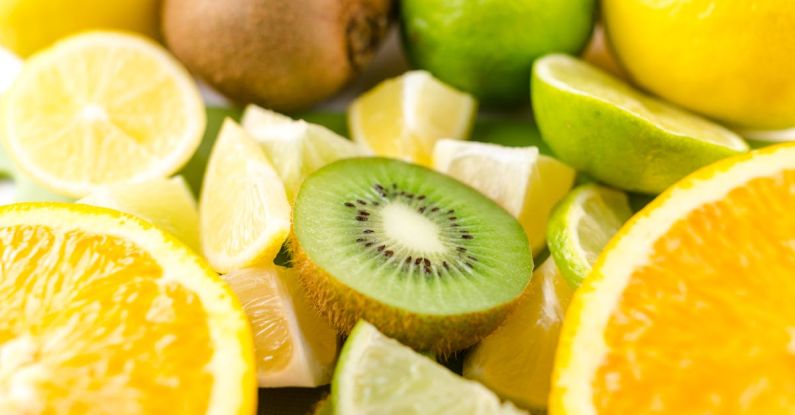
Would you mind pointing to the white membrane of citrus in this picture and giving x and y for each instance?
(411, 229)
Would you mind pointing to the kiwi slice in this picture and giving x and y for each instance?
(425, 258)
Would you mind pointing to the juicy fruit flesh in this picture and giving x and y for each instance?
(378, 375)
(745, 333)
(102, 97)
(571, 74)
(82, 330)
(516, 360)
(339, 222)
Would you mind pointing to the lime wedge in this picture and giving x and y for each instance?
(581, 225)
(378, 375)
(602, 126)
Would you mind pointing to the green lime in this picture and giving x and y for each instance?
(600, 125)
(581, 225)
(510, 133)
(378, 375)
(487, 47)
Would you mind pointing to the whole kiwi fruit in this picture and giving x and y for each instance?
(281, 54)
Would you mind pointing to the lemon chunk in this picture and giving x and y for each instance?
(244, 216)
(527, 184)
(405, 116)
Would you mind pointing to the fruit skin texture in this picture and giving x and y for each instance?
(282, 54)
(615, 146)
(29, 25)
(487, 47)
(342, 307)
(731, 60)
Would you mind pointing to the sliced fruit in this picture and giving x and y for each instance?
(525, 183)
(426, 259)
(244, 216)
(25, 190)
(101, 108)
(404, 117)
(600, 125)
(378, 375)
(166, 203)
(193, 172)
(294, 345)
(296, 148)
(510, 132)
(689, 307)
(102, 312)
(581, 225)
(516, 360)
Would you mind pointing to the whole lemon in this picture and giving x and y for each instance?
(732, 60)
(29, 25)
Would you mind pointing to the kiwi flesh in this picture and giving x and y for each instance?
(281, 54)
(426, 259)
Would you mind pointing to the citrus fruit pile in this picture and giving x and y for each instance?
(546, 213)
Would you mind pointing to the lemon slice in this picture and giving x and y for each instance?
(378, 375)
(294, 346)
(296, 148)
(104, 313)
(166, 203)
(244, 216)
(524, 182)
(516, 360)
(405, 116)
(101, 108)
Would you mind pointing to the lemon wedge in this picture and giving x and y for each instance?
(295, 147)
(244, 216)
(527, 184)
(405, 116)
(294, 346)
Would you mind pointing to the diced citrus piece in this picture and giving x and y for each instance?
(688, 310)
(378, 375)
(296, 148)
(581, 225)
(524, 182)
(103, 313)
(166, 203)
(244, 216)
(101, 108)
(405, 116)
(516, 360)
(294, 346)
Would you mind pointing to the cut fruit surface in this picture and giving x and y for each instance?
(101, 108)
(689, 307)
(427, 259)
(244, 215)
(166, 203)
(620, 136)
(294, 345)
(104, 313)
(516, 360)
(582, 225)
(404, 117)
(296, 148)
(378, 375)
(524, 182)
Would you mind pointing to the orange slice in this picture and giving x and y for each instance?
(103, 313)
(689, 309)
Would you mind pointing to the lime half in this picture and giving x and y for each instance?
(581, 226)
(378, 375)
(602, 126)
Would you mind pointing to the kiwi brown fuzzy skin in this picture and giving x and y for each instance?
(342, 307)
(282, 54)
